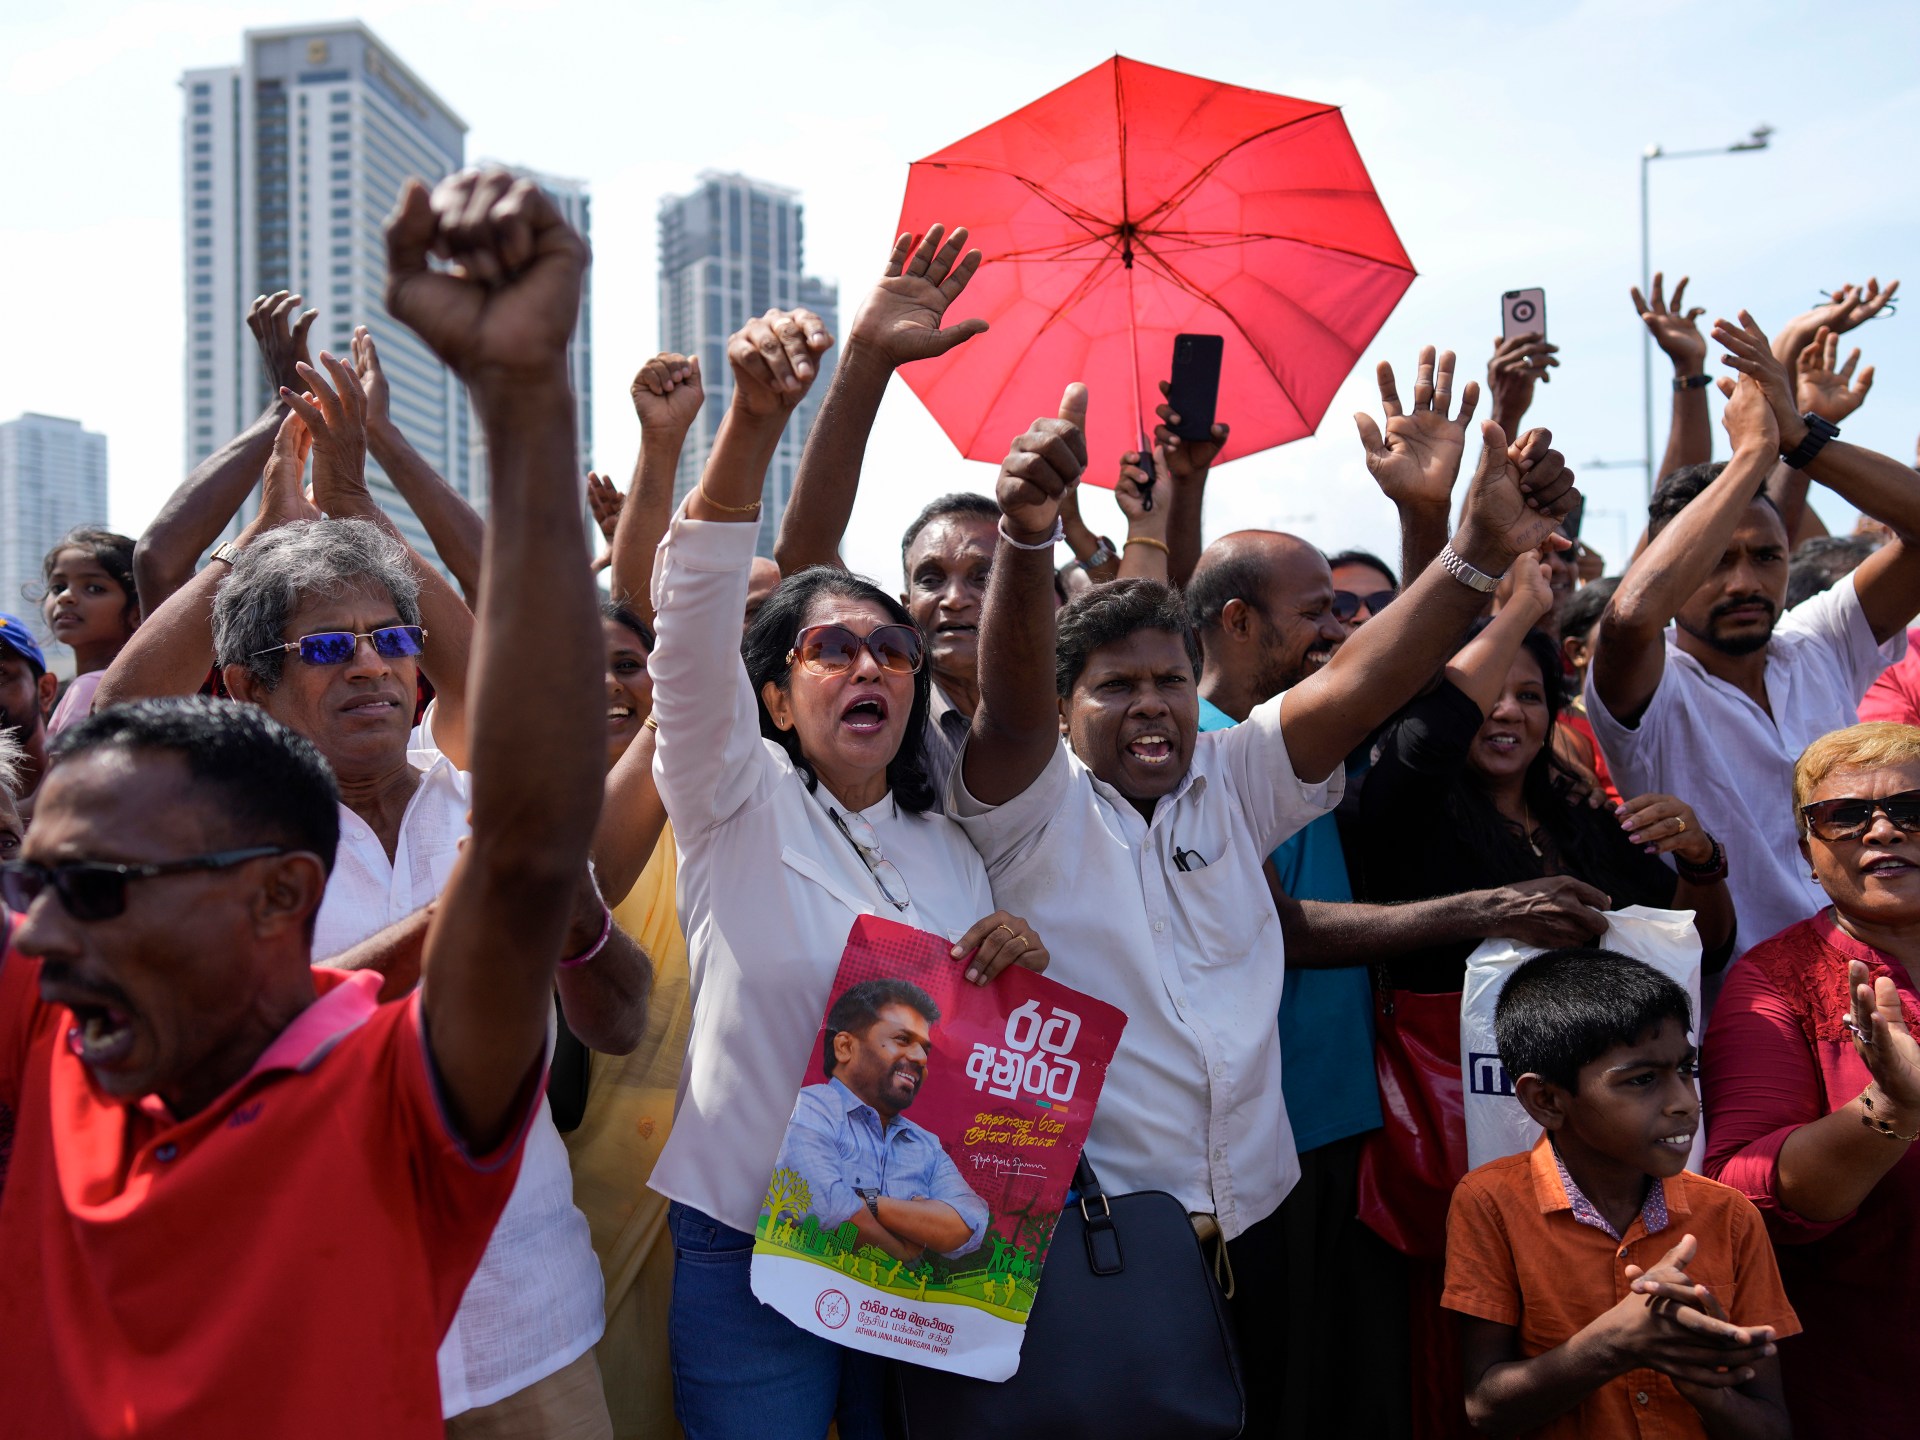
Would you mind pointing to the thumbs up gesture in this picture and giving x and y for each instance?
(1040, 468)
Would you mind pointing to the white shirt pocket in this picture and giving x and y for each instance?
(804, 864)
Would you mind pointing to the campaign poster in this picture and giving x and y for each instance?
(929, 1154)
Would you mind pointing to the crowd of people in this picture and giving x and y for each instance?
(409, 973)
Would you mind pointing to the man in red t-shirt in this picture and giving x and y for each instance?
(244, 1197)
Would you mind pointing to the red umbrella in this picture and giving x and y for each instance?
(1135, 203)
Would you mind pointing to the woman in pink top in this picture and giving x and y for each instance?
(90, 606)
(1813, 1085)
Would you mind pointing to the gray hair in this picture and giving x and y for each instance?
(275, 573)
(13, 757)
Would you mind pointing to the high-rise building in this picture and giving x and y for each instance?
(53, 476)
(292, 160)
(732, 249)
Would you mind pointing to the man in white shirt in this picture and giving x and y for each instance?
(1718, 707)
(1138, 842)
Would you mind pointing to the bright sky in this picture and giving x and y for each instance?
(1503, 140)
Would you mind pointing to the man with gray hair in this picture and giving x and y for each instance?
(325, 624)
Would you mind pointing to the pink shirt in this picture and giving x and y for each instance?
(77, 703)
(1775, 1058)
(1895, 695)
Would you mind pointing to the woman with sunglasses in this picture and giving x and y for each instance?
(1812, 1082)
(800, 801)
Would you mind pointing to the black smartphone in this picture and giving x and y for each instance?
(1193, 390)
(1523, 312)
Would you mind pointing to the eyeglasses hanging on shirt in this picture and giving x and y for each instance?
(1186, 861)
(866, 844)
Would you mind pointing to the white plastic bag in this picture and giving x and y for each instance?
(1497, 1123)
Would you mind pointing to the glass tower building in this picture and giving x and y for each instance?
(53, 476)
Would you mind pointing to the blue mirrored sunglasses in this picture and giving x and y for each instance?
(336, 647)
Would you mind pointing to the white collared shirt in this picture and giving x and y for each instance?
(1192, 1101)
(1710, 744)
(769, 887)
(536, 1302)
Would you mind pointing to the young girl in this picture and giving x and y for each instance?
(92, 607)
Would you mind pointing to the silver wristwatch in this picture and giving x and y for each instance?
(1460, 570)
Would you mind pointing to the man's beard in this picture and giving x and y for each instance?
(1740, 644)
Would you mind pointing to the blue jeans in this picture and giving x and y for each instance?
(743, 1371)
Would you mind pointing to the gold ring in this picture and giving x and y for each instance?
(1006, 927)
(1681, 821)
(1024, 941)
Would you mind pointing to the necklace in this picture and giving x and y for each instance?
(1526, 821)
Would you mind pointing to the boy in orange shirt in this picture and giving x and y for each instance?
(1591, 1272)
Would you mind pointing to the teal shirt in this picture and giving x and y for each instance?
(1326, 1016)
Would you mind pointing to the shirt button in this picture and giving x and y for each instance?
(1220, 1070)
(164, 1153)
(1158, 926)
(1640, 1397)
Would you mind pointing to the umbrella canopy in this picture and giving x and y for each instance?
(1135, 203)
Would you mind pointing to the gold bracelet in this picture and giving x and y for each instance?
(753, 509)
(1874, 1123)
(1160, 545)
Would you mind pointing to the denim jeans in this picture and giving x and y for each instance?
(743, 1371)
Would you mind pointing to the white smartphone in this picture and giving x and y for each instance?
(1523, 312)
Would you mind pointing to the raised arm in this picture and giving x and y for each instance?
(450, 521)
(208, 499)
(1631, 655)
(1676, 331)
(333, 406)
(1017, 725)
(1888, 581)
(1830, 391)
(1415, 459)
(667, 396)
(1147, 553)
(898, 322)
(172, 651)
(1515, 504)
(1188, 462)
(500, 317)
(1519, 363)
(1846, 308)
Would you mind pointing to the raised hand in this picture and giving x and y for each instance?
(1043, 463)
(1528, 583)
(1828, 390)
(603, 501)
(775, 359)
(1186, 459)
(1417, 459)
(1750, 417)
(667, 394)
(1885, 1044)
(1519, 362)
(899, 321)
(283, 494)
(1675, 329)
(1749, 352)
(1847, 307)
(373, 380)
(1519, 495)
(1136, 487)
(501, 314)
(281, 337)
(334, 409)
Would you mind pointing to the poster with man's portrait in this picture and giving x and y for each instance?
(929, 1153)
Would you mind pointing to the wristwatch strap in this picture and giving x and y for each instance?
(1819, 431)
(225, 551)
(1460, 570)
(1691, 382)
(872, 1197)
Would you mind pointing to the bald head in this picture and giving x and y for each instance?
(1263, 604)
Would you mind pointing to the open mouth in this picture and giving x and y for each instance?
(1317, 658)
(906, 1077)
(1885, 865)
(100, 1035)
(1682, 1142)
(618, 714)
(1151, 749)
(1502, 742)
(957, 628)
(371, 706)
(865, 716)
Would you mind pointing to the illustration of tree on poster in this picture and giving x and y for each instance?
(929, 1153)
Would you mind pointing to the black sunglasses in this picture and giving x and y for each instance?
(1346, 604)
(833, 649)
(1848, 818)
(97, 889)
(336, 647)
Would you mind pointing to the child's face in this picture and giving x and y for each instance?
(1636, 1105)
(85, 605)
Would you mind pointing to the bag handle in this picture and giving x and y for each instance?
(1102, 1239)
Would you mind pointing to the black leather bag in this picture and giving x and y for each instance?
(1129, 1339)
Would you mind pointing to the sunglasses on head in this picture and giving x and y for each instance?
(1346, 604)
(1848, 818)
(337, 647)
(834, 649)
(97, 889)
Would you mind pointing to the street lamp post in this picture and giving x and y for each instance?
(1756, 140)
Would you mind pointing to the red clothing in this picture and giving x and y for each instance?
(283, 1263)
(1575, 719)
(1776, 1057)
(1895, 695)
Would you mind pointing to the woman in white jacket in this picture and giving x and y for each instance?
(799, 802)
